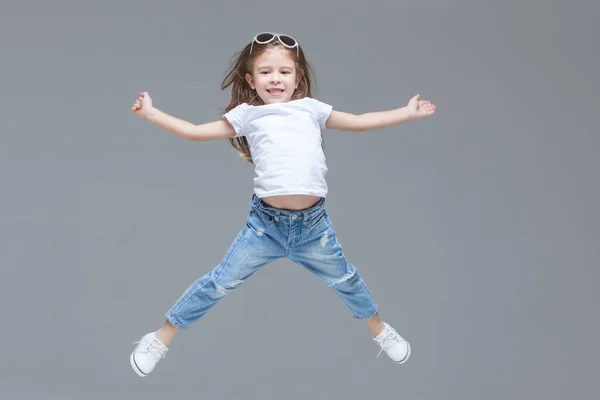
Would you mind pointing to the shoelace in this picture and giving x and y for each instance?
(387, 339)
(152, 346)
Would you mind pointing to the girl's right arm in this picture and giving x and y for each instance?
(143, 108)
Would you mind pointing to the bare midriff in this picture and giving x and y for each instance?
(292, 202)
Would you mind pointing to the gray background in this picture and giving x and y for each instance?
(476, 230)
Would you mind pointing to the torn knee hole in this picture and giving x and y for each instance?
(225, 290)
(344, 278)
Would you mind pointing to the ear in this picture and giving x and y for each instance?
(250, 80)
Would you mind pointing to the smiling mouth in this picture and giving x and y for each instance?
(275, 92)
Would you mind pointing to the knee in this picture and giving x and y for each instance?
(223, 284)
(224, 288)
(347, 279)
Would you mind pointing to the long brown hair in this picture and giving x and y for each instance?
(241, 92)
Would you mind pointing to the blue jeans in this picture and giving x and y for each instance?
(306, 237)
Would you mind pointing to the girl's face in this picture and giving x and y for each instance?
(274, 76)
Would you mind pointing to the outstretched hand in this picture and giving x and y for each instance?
(420, 108)
(142, 105)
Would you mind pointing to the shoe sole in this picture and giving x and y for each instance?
(136, 369)
(405, 359)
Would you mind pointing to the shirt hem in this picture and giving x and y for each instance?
(261, 194)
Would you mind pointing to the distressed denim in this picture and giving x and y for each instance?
(306, 237)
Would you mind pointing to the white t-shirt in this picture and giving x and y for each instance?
(285, 142)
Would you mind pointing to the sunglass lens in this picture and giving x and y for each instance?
(264, 37)
(287, 40)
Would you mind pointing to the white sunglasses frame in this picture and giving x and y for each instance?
(276, 36)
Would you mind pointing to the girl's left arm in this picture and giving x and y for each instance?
(415, 108)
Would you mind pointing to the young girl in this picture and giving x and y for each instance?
(274, 123)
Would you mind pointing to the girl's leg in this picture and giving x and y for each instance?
(375, 325)
(256, 245)
(319, 251)
(166, 333)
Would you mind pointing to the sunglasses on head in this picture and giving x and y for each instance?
(268, 37)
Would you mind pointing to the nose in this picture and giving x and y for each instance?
(275, 78)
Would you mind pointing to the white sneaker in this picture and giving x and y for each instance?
(147, 354)
(394, 345)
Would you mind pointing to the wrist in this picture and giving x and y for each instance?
(406, 113)
(150, 114)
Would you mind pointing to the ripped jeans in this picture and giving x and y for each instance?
(306, 237)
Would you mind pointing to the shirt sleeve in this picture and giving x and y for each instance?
(237, 119)
(322, 111)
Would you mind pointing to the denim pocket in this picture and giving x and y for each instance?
(317, 219)
(257, 217)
